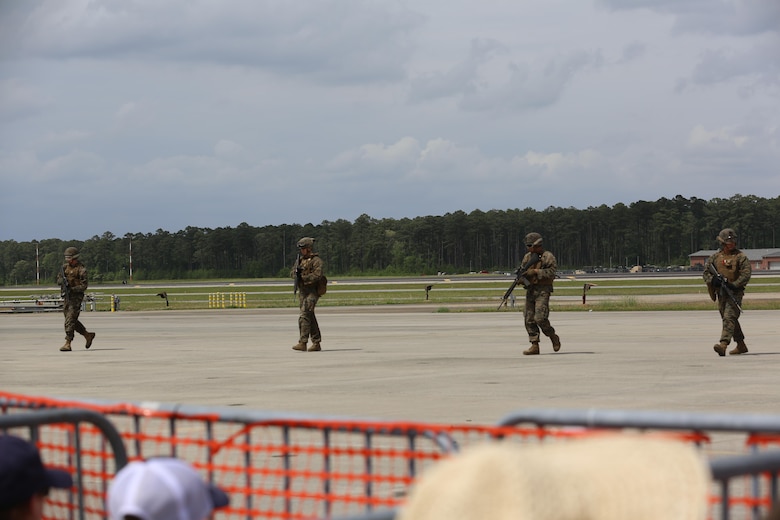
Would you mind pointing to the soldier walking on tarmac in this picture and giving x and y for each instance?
(72, 279)
(537, 296)
(310, 283)
(726, 273)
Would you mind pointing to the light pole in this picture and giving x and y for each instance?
(37, 265)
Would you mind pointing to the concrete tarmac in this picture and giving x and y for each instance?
(406, 363)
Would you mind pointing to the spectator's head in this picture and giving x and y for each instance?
(162, 489)
(611, 477)
(24, 481)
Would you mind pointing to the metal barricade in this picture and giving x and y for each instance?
(765, 463)
(59, 435)
(723, 470)
(294, 466)
(274, 465)
(722, 437)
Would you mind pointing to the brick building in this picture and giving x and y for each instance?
(760, 259)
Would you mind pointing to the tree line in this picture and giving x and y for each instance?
(663, 232)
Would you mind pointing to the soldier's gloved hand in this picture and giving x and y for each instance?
(716, 282)
(731, 286)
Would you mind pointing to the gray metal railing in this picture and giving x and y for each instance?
(723, 469)
(33, 421)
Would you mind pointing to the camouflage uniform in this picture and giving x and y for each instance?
(311, 273)
(537, 297)
(76, 276)
(735, 268)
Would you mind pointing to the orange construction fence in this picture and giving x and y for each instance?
(293, 466)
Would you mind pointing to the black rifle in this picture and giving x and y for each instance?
(520, 278)
(64, 286)
(297, 280)
(723, 285)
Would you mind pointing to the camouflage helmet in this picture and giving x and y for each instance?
(727, 236)
(71, 252)
(305, 242)
(533, 239)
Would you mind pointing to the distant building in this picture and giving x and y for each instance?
(760, 259)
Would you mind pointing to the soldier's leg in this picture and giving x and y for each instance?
(71, 318)
(738, 335)
(307, 322)
(730, 314)
(529, 314)
(726, 330)
(531, 326)
(314, 328)
(542, 318)
(80, 328)
(542, 313)
(303, 325)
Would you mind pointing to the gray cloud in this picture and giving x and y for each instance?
(508, 85)
(331, 40)
(532, 86)
(763, 63)
(734, 17)
(632, 51)
(758, 65)
(18, 99)
(460, 79)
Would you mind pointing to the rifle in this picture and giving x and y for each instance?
(520, 278)
(723, 284)
(64, 286)
(297, 279)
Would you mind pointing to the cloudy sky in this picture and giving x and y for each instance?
(129, 116)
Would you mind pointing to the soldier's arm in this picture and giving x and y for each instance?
(745, 272)
(707, 275)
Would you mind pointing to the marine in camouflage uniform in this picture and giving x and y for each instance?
(735, 268)
(76, 275)
(308, 269)
(537, 296)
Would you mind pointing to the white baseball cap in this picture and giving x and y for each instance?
(162, 489)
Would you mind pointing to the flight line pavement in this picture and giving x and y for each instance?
(397, 362)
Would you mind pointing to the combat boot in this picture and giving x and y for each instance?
(720, 348)
(533, 350)
(66, 346)
(90, 336)
(741, 348)
(556, 341)
(315, 347)
(300, 346)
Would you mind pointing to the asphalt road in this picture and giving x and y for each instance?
(397, 363)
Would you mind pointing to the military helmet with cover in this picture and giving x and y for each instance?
(71, 252)
(305, 242)
(727, 236)
(533, 239)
